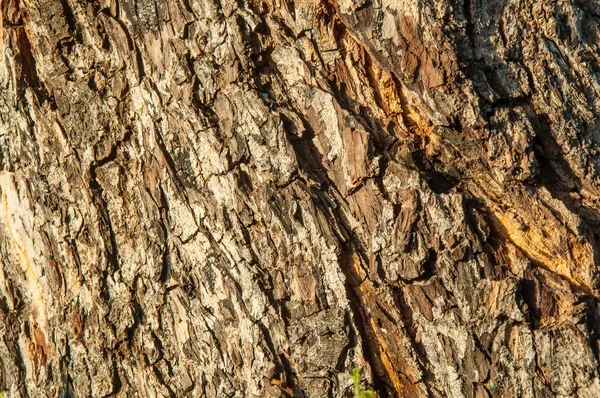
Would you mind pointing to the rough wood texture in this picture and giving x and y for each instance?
(212, 198)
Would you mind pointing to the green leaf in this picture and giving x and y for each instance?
(359, 392)
(356, 375)
(356, 378)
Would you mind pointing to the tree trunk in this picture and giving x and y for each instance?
(219, 198)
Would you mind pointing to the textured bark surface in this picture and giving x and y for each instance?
(212, 198)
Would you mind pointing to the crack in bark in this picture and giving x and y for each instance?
(101, 203)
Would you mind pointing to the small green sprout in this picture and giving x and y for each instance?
(360, 393)
(494, 387)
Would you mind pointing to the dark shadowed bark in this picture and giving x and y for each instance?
(219, 198)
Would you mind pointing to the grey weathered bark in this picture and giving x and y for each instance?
(250, 198)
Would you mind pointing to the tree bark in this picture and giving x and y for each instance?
(219, 198)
